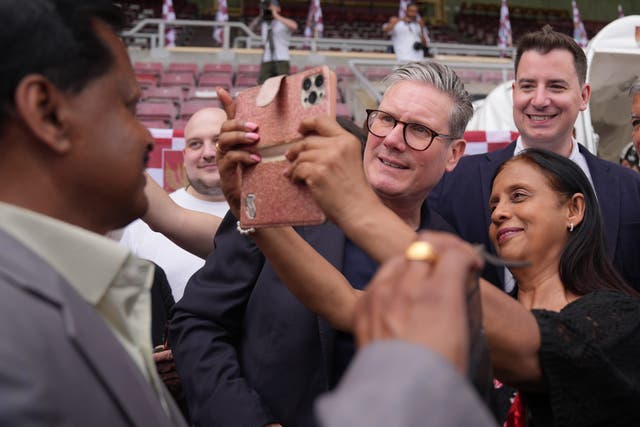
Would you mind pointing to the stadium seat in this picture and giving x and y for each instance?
(147, 80)
(214, 79)
(220, 68)
(174, 94)
(243, 80)
(182, 67)
(157, 124)
(200, 93)
(156, 111)
(184, 80)
(248, 70)
(155, 68)
(190, 107)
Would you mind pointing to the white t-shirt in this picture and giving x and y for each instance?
(178, 264)
(403, 36)
(281, 36)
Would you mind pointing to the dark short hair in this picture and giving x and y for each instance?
(584, 265)
(54, 38)
(546, 40)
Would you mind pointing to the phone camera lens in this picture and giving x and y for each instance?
(319, 80)
(313, 97)
(306, 84)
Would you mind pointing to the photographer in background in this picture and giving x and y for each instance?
(408, 35)
(276, 31)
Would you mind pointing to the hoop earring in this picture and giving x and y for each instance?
(571, 227)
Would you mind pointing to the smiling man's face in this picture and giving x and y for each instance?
(547, 97)
(397, 172)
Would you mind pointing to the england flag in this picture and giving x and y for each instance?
(222, 15)
(579, 33)
(168, 14)
(314, 27)
(504, 33)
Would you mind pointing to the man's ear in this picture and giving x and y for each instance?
(38, 103)
(456, 151)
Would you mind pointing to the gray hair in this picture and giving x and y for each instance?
(635, 87)
(445, 80)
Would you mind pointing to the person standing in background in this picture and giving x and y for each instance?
(202, 193)
(407, 35)
(276, 31)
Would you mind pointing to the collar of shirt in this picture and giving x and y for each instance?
(103, 272)
(576, 156)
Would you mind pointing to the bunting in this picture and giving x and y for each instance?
(579, 33)
(314, 27)
(504, 33)
(168, 14)
(222, 15)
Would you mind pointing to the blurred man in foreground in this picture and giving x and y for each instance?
(75, 345)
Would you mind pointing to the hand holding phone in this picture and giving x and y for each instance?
(268, 198)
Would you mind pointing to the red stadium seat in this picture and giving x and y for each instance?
(147, 80)
(184, 80)
(174, 94)
(157, 124)
(182, 67)
(248, 69)
(246, 80)
(190, 107)
(220, 68)
(156, 111)
(214, 79)
(141, 67)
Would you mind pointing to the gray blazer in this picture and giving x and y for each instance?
(60, 364)
(394, 383)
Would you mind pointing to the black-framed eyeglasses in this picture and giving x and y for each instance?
(417, 136)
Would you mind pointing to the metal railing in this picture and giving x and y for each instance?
(252, 40)
(359, 67)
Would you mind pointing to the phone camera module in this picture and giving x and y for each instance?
(319, 80)
(306, 84)
(313, 97)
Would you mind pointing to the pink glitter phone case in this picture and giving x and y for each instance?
(278, 107)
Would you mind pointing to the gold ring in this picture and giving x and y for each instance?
(218, 149)
(421, 251)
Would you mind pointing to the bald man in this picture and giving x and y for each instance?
(202, 193)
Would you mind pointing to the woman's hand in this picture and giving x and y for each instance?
(235, 147)
(422, 301)
(329, 161)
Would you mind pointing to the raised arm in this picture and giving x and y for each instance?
(191, 230)
(513, 336)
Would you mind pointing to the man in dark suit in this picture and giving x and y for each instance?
(548, 93)
(248, 352)
(75, 342)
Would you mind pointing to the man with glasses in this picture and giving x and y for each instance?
(248, 352)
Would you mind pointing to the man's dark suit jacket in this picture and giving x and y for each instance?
(462, 198)
(247, 351)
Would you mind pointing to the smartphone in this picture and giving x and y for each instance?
(278, 106)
